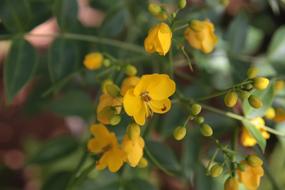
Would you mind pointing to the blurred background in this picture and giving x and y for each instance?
(44, 127)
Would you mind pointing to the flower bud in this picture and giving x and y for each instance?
(199, 120)
(93, 61)
(270, 113)
(142, 163)
(231, 184)
(179, 133)
(279, 85)
(196, 109)
(260, 83)
(133, 131)
(254, 161)
(115, 120)
(243, 94)
(255, 101)
(182, 4)
(248, 87)
(113, 90)
(131, 70)
(104, 84)
(106, 62)
(231, 99)
(154, 9)
(206, 130)
(216, 170)
(252, 72)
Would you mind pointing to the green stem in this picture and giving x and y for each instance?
(84, 37)
(171, 63)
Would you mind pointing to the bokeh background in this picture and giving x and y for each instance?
(44, 127)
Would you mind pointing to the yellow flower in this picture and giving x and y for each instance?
(108, 107)
(128, 83)
(200, 35)
(149, 95)
(133, 149)
(158, 39)
(93, 61)
(250, 176)
(247, 139)
(106, 144)
(231, 184)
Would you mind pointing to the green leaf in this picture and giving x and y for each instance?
(54, 150)
(276, 48)
(73, 103)
(63, 59)
(266, 97)
(163, 157)
(57, 181)
(237, 33)
(12, 13)
(138, 184)
(66, 14)
(19, 67)
(256, 134)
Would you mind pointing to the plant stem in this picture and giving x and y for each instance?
(84, 37)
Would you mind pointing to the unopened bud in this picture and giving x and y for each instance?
(243, 94)
(231, 184)
(270, 113)
(255, 101)
(179, 133)
(254, 161)
(131, 70)
(199, 120)
(106, 62)
(260, 83)
(154, 9)
(206, 130)
(216, 170)
(252, 72)
(231, 99)
(115, 120)
(182, 4)
(142, 163)
(196, 109)
(113, 90)
(133, 131)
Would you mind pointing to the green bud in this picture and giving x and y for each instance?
(255, 102)
(260, 83)
(216, 170)
(133, 131)
(231, 99)
(243, 94)
(143, 163)
(196, 109)
(248, 87)
(154, 9)
(131, 70)
(199, 120)
(206, 130)
(252, 72)
(182, 4)
(115, 120)
(112, 89)
(106, 62)
(179, 133)
(254, 160)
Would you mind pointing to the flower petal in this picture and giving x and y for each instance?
(132, 104)
(160, 106)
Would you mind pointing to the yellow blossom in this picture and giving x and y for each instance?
(108, 107)
(93, 61)
(133, 149)
(250, 176)
(270, 113)
(105, 143)
(200, 35)
(128, 83)
(247, 139)
(158, 39)
(231, 184)
(151, 94)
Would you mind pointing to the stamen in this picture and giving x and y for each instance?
(145, 97)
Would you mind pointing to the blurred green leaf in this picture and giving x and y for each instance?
(19, 67)
(138, 184)
(237, 33)
(57, 181)
(23, 15)
(163, 157)
(253, 40)
(276, 50)
(54, 150)
(73, 103)
(256, 134)
(266, 97)
(66, 14)
(64, 58)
